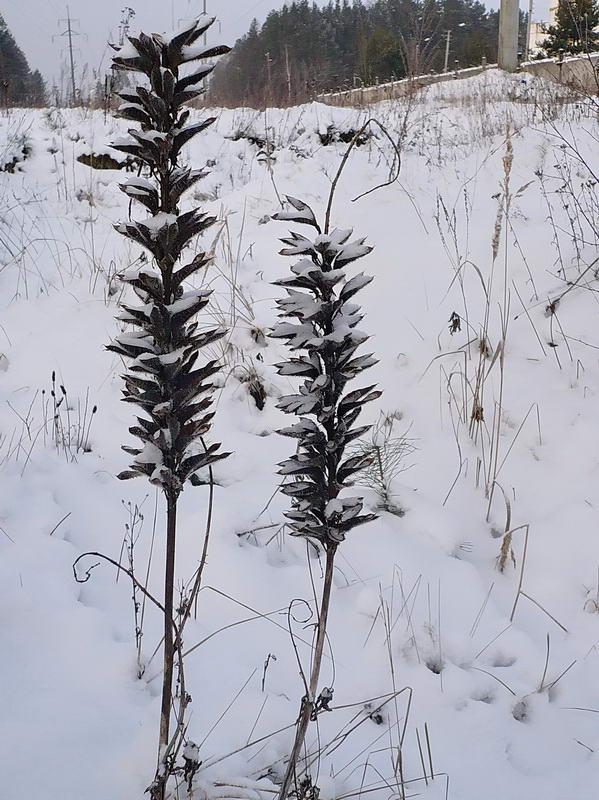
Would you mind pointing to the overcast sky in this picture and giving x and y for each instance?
(34, 23)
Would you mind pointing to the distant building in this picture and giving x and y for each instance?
(538, 33)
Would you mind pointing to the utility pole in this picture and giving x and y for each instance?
(447, 41)
(111, 82)
(509, 18)
(448, 35)
(69, 33)
(268, 72)
(128, 14)
(205, 13)
(527, 47)
(288, 70)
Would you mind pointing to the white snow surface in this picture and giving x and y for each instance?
(419, 606)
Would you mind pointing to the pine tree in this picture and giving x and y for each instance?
(381, 56)
(15, 75)
(575, 30)
(36, 89)
(327, 46)
(164, 378)
(323, 336)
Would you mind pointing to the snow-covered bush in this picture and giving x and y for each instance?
(164, 378)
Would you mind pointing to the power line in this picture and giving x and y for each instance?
(69, 33)
(248, 11)
(128, 13)
(204, 13)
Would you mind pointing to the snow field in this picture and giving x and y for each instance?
(421, 615)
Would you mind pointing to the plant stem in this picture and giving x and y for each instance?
(169, 650)
(308, 705)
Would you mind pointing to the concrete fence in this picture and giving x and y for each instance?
(579, 73)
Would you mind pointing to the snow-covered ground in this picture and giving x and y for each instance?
(425, 630)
